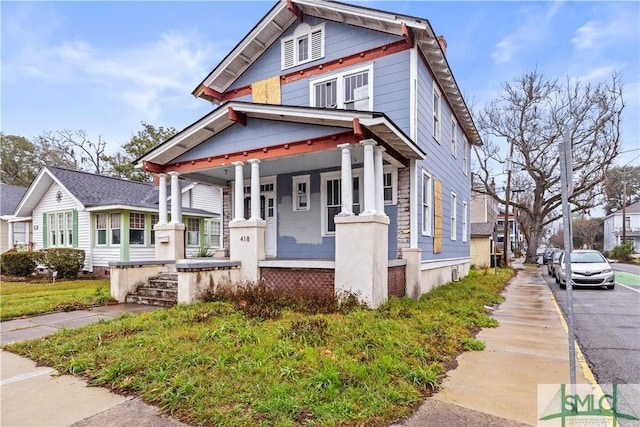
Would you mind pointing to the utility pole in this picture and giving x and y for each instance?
(624, 210)
(508, 166)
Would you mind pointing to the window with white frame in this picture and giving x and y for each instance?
(390, 185)
(212, 233)
(465, 155)
(193, 231)
(60, 229)
(301, 196)
(454, 216)
(436, 113)
(305, 45)
(351, 90)
(454, 136)
(101, 229)
(115, 228)
(136, 228)
(427, 212)
(331, 199)
(154, 220)
(19, 233)
(465, 226)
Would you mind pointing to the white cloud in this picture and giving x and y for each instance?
(615, 23)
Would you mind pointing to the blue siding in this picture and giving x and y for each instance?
(299, 233)
(340, 40)
(257, 133)
(391, 90)
(442, 165)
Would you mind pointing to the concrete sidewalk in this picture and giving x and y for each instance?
(494, 387)
(499, 386)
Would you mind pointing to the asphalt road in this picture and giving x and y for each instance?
(607, 328)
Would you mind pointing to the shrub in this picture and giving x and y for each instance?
(66, 261)
(21, 264)
(622, 252)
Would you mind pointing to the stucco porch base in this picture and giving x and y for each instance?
(362, 246)
(440, 272)
(196, 277)
(126, 276)
(246, 244)
(170, 241)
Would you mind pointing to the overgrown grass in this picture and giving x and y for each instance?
(22, 299)
(213, 364)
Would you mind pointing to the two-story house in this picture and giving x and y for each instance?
(613, 224)
(342, 142)
(484, 212)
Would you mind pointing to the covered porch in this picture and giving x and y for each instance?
(309, 196)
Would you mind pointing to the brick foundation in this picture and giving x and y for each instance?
(300, 281)
(397, 281)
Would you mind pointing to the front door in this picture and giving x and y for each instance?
(267, 212)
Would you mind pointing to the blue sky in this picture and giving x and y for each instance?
(104, 67)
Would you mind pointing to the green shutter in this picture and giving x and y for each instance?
(75, 228)
(45, 232)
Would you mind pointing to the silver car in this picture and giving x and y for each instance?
(588, 268)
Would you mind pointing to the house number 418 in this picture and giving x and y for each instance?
(244, 238)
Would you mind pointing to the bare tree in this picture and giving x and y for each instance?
(533, 113)
(74, 150)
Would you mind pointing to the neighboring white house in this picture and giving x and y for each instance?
(12, 234)
(613, 224)
(112, 219)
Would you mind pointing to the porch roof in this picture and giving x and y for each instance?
(360, 123)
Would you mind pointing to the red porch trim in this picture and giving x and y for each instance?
(263, 153)
(406, 34)
(357, 58)
(295, 10)
(237, 117)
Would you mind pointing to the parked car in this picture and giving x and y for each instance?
(588, 268)
(554, 264)
(546, 257)
(549, 261)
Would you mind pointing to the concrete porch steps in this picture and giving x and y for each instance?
(159, 291)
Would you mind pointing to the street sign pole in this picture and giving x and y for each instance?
(566, 179)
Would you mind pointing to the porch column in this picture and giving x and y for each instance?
(170, 235)
(379, 179)
(255, 189)
(369, 178)
(347, 181)
(162, 198)
(239, 193)
(176, 198)
(10, 239)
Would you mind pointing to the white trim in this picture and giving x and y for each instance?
(427, 228)
(413, 96)
(302, 30)
(413, 207)
(465, 154)
(389, 169)
(465, 221)
(440, 263)
(339, 77)
(454, 136)
(326, 176)
(303, 263)
(300, 179)
(454, 216)
(437, 130)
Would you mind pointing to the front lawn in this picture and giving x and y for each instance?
(212, 364)
(23, 299)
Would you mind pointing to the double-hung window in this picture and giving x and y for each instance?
(465, 226)
(427, 212)
(454, 216)
(301, 195)
(436, 113)
(101, 229)
(136, 228)
(454, 136)
(212, 233)
(331, 197)
(193, 231)
(154, 220)
(305, 45)
(61, 229)
(115, 228)
(351, 90)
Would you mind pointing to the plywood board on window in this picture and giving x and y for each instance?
(437, 216)
(266, 91)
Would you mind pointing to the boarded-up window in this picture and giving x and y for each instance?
(437, 216)
(266, 91)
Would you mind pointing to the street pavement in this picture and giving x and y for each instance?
(494, 387)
